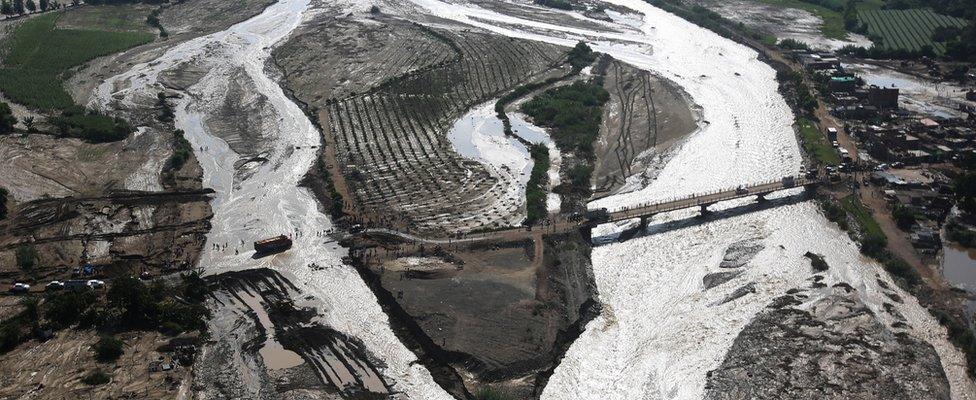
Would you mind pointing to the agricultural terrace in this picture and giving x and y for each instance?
(391, 141)
(38, 54)
(907, 30)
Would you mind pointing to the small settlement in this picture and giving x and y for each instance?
(903, 155)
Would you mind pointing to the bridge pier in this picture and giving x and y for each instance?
(643, 222)
(704, 209)
(761, 198)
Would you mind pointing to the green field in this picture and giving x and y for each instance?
(37, 55)
(864, 218)
(815, 143)
(907, 30)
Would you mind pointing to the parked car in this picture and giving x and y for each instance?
(96, 284)
(54, 285)
(19, 288)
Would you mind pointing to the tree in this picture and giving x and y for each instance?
(108, 349)
(3, 203)
(31, 6)
(7, 119)
(45, 5)
(27, 257)
(374, 10)
(6, 8)
(19, 6)
(904, 217)
(29, 123)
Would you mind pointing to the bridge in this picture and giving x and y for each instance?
(704, 200)
(596, 217)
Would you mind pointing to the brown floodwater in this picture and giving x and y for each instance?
(959, 269)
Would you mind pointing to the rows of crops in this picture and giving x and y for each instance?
(908, 30)
(392, 143)
(37, 56)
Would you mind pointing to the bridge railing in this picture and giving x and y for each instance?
(698, 199)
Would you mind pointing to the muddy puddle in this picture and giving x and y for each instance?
(959, 268)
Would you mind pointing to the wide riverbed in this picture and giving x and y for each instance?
(660, 331)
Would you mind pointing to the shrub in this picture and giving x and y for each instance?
(535, 189)
(26, 257)
(108, 349)
(7, 119)
(67, 308)
(3, 203)
(581, 55)
(91, 126)
(96, 377)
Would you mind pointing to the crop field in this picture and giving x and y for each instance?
(908, 30)
(391, 140)
(38, 54)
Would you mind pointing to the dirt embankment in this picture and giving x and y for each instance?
(646, 118)
(499, 314)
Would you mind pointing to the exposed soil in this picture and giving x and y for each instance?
(54, 369)
(832, 348)
(646, 117)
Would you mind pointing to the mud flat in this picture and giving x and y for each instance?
(265, 346)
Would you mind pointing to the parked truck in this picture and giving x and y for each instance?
(272, 245)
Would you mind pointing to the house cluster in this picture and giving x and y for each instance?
(906, 155)
(924, 193)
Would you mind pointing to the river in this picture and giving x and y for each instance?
(659, 332)
(267, 200)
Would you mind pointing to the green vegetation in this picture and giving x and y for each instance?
(19, 328)
(37, 56)
(75, 122)
(3, 203)
(108, 349)
(870, 229)
(572, 112)
(182, 150)
(815, 144)
(710, 20)
(801, 95)
(830, 11)
(114, 18)
(904, 217)
(965, 187)
(959, 234)
(560, 4)
(580, 56)
(535, 189)
(792, 44)
(7, 119)
(96, 377)
(27, 257)
(131, 304)
(909, 31)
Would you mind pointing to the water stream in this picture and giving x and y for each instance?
(267, 200)
(660, 331)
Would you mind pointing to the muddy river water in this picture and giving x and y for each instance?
(659, 332)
